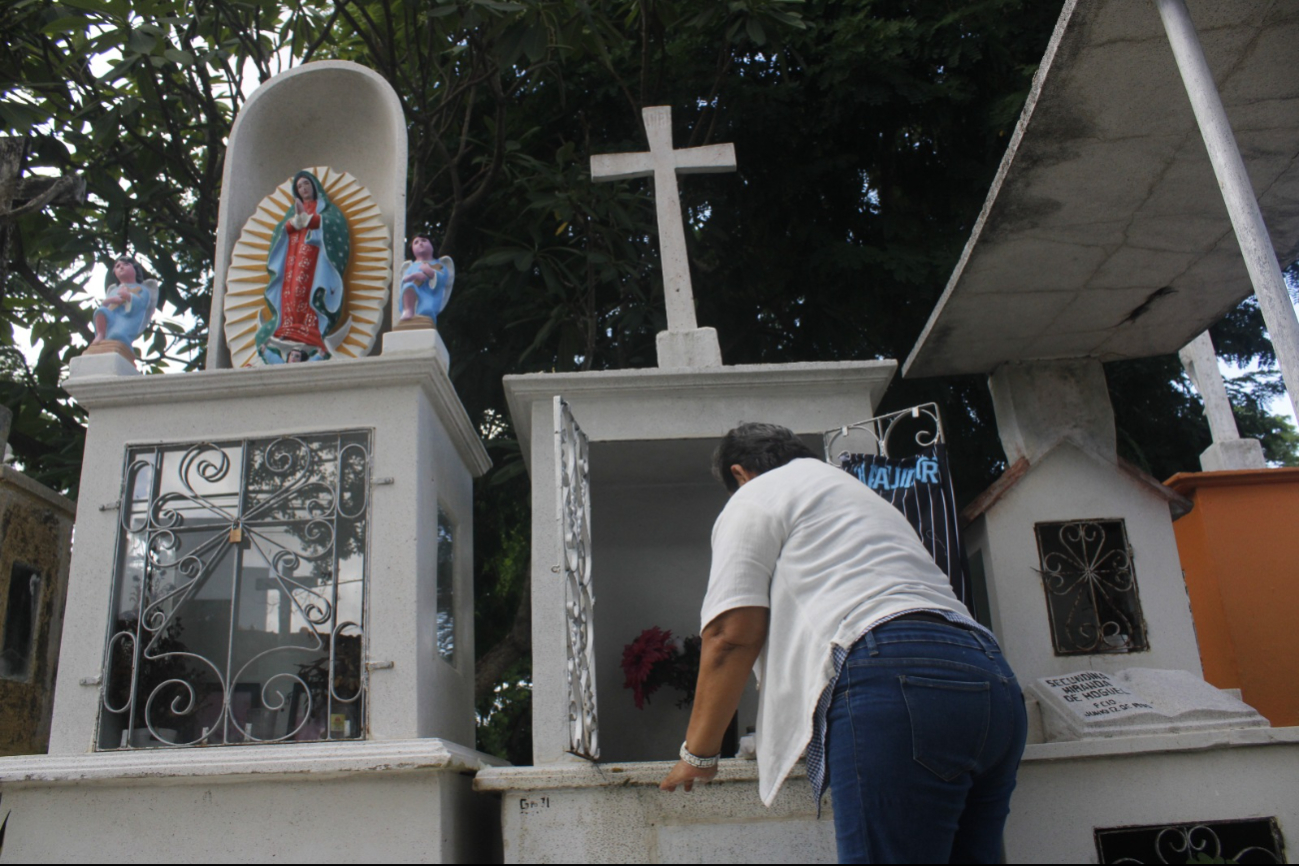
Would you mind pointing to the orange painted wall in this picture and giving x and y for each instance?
(1240, 552)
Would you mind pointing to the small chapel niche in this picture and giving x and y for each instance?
(653, 506)
(24, 597)
(1091, 587)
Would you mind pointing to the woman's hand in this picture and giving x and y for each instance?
(685, 775)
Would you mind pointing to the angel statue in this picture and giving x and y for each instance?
(308, 257)
(129, 303)
(425, 285)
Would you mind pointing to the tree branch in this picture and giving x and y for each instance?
(514, 646)
(58, 188)
(69, 311)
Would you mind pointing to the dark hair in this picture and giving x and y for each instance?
(758, 448)
(425, 237)
(140, 274)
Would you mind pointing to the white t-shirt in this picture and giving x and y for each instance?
(830, 558)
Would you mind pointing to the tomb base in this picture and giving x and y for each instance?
(615, 813)
(1067, 792)
(402, 802)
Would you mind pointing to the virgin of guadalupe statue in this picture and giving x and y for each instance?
(425, 286)
(129, 303)
(308, 256)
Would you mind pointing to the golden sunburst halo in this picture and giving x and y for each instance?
(365, 281)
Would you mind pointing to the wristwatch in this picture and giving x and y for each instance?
(696, 761)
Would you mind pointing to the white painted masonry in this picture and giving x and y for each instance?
(423, 441)
(406, 801)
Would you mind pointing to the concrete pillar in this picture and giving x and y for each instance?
(1042, 403)
(1228, 450)
(1237, 193)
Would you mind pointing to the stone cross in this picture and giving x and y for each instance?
(664, 164)
(19, 196)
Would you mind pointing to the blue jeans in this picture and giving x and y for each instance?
(925, 731)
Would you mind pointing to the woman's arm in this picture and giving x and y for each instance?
(731, 643)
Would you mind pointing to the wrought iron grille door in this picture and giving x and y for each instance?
(238, 606)
(1091, 587)
(572, 461)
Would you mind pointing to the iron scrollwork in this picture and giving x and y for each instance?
(1253, 840)
(572, 457)
(239, 595)
(1091, 587)
(924, 423)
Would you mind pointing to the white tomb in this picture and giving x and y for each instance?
(623, 504)
(267, 651)
(1104, 237)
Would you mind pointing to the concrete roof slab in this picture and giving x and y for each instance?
(1106, 196)
(1133, 270)
(1034, 311)
(1123, 86)
(1104, 177)
(1183, 231)
(1025, 265)
(1067, 345)
(1139, 22)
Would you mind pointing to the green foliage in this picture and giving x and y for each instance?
(1250, 395)
(505, 717)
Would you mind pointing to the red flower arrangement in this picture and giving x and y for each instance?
(656, 659)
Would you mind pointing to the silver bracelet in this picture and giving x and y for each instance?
(696, 761)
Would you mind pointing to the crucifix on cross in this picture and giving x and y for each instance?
(664, 163)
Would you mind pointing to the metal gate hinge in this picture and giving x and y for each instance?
(379, 666)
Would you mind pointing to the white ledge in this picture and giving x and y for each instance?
(1200, 741)
(569, 775)
(553, 777)
(692, 403)
(407, 368)
(218, 763)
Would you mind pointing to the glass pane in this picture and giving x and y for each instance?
(238, 600)
(446, 587)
